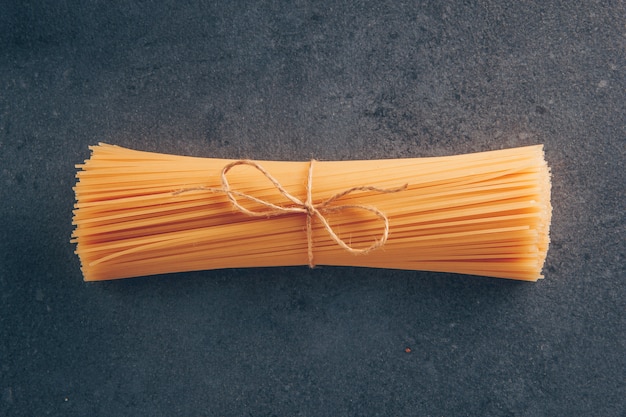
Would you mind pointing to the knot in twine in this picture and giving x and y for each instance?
(307, 207)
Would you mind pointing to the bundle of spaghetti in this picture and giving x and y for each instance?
(142, 213)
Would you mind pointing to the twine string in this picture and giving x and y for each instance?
(307, 207)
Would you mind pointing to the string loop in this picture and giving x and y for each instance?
(307, 207)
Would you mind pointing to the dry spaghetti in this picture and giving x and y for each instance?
(141, 213)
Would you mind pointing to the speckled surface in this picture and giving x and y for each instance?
(292, 80)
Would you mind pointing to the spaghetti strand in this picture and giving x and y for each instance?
(142, 213)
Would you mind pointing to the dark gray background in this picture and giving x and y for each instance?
(292, 80)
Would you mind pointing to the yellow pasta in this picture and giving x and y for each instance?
(141, 213)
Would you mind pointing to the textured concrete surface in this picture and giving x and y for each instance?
(292, 80)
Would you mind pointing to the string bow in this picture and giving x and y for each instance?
(308, 207)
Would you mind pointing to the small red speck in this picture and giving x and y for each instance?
(407, 350)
